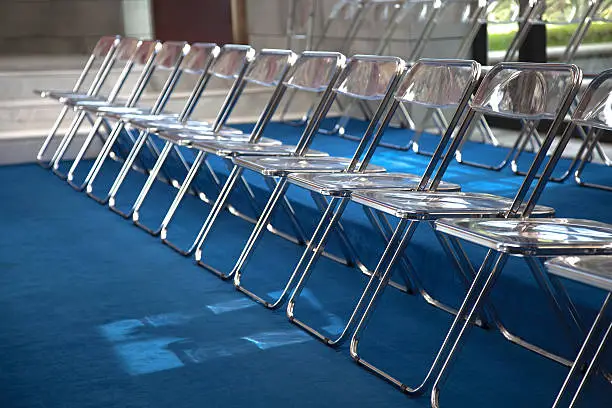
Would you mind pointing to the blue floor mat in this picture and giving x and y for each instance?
(97, 313)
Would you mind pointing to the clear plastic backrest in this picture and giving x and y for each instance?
(127, 48)
(382, 10)
(369, 77)
(145, 51)
(346, 9)
(270, 66)
(595, 107)
(562, 11)
(438, 83)
(604, 12)
(314, 70)
(525, 90)
(105, 45)
(170, 54)
(199, 57)
(459, 11)
(301, 15)
(231, 61)
(503, 11)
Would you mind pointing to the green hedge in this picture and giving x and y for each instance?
(557, 36)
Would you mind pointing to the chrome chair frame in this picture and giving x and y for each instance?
(166, 57)
(411, 218)
(143, 56)
(338, 200)
(104, 49)
(294, 82)
(593, 271)
(129, 52)
(583, 237)
(198, 61)
(252, 65)
(301, 23)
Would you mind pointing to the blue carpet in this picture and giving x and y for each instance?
(97, 313)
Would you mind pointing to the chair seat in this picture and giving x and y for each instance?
(282, 166)
(343, 184)
(235, 148)
(533, 236)
(161, 123)
(223, 136)
(423, 205)
(590, 270)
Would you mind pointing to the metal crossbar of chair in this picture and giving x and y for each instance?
(533, 239)
(103, 57)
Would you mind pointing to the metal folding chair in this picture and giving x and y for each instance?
(392, 13)
(137, 57)
(532, 239)
(267, 69)
(128, 52)
(432, 84)
(507, 12)
(167, 64)
(564, 13)
(593, 271)
(359, 79)
(513, 90)
(101, 61)
(313, 72)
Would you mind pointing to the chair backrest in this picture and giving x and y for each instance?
(433, 84)
(503, 12)
(562, 12)
(129, 51)
(604, 11)
(269, 67)
(101, 60)
(595, 106)
(528, 92)
(313, 70)
(199, 58)
(524, 91)
(369, 77)
(346, 9)
(232, 61)
(167, 66)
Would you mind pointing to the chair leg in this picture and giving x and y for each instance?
(99, 162)
(305, 275)
(65, 144)
(256, 236)
(127, 165)
(581, 358)
(79, 157)
(477, 294)
(43, 149)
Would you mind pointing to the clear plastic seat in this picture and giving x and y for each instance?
(220, 139)
(343, 184)
(592, 270)
(284, 166)
(439, 204)
(534, 237)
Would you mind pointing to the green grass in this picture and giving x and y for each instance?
(557, 36)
